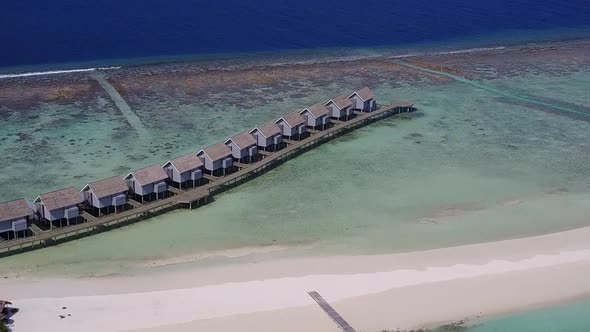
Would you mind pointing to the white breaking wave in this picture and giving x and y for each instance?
(473, 50)
(460, 51)
(54, 72)
(409, 55)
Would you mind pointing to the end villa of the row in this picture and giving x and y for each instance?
(113, 195)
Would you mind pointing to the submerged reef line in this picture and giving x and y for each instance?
(132, 118)
(493, 90)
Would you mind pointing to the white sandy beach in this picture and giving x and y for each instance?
(371, 292)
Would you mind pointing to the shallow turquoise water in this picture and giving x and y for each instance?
(573, 317)
(469, 167)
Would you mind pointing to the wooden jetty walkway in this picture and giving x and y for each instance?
(342, 324)
(200, 195)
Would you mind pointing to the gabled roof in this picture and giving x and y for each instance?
(317, 110)
(185, 163)
(151, 174)
(60, 198)
(242, 140)
(268, 129)
(107, 187)
(216, 152)
(341, 101)
(292, 119)
(13, 210)
(364, 93)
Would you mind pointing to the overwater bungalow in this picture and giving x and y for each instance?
(14, 218)
(292, 125)
(363, 100)
(340, 107)
(217, 158)
(268, 136)
(148, 183)
(243, 147)
(185, 171)
(59, 205)
(106, 196)
(316, 116)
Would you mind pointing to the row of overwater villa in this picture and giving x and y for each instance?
(20, 218)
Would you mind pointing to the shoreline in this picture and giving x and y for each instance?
(483, 279)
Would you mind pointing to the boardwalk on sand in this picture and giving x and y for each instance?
(342, 324)
(197, 196)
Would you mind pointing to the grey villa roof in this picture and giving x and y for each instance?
(217, 151)
(186, 163)
(243, 140)
(151, 174)
(268, 129)
(364, 93)
(341, 101)
(293, 119)
(60, 198)
(317, 110)
(14, 210)
(107, 187)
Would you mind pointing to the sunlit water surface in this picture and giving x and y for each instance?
(469, 166)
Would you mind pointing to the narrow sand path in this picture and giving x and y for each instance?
(502, 93)
(132, 118)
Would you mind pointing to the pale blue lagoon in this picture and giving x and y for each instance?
(470, 166)
(571, 317)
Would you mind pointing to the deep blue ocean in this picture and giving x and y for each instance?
(49, 32)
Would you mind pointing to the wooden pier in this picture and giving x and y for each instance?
(342, 324)
(175, 191)
(195, 197)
